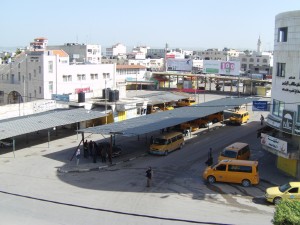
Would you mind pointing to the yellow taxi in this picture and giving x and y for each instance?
(289, 191)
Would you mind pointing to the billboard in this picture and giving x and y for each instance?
(179, 65)
(231, 68)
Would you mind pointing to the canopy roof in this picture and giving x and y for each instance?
(31, 123)
(152, 122)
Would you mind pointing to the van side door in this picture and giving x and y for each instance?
(220, 172)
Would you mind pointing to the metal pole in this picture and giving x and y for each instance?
(48, 138)
(105, 103)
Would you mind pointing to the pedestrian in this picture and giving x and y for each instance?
(85, 149)
(90, 147)
(262, 118)
(210, 159)
(77, 156)
(149, 175)
(151, 140)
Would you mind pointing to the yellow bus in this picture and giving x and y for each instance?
(239, 117)
(166, 143)
(186, 102)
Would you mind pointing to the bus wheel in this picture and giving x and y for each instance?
(211, 179)
(246, 183)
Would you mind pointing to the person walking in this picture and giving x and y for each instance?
(85, 149)
(149, 175)
(210, 159)
(151, 140)
(262, 118)
(77, 156)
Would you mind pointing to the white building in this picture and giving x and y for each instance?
(284, 117)
(116, 50)
(216, 54)
(48, 74)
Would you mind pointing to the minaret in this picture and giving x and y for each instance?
(258, 45)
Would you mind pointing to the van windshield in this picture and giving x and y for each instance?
(229, 154)
(236, 115)
(160, 141)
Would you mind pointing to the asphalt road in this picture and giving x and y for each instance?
(32, 191)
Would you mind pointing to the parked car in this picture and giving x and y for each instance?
(289, 190)
(8, 142)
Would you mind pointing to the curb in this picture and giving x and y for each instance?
(80, 170)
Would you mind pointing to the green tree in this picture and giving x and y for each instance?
(287, 212)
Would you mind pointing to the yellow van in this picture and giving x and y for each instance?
(239, 117)
(186, 102)
(233, 171)
(166, 143)
(237, 150)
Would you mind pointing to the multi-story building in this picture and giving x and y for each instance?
(116, 50)
(80, 53)
(47, 74)
(216, 54)
(282, 137)
(257, 61)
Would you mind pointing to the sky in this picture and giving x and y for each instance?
(187, 24)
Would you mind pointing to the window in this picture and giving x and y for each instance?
(221, 167)
(265, 60)
(280, 70)
(81, 77)
(40, 90)
(106, 75)
(34, 72)
(40, 69)
(251, 60)
(294, 190)
(67, 78)
(278, 107)
(50, 66)
(245, 169)
(51, 86)
(94, 76)
(282, 34)
(19, 76)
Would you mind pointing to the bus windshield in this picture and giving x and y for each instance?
(228, 153)
(160, 141)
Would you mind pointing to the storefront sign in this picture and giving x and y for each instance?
(297, 130)
(273, 122)
(274, 143)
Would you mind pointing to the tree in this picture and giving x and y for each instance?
(287, 212)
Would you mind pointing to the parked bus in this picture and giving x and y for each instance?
(186, 102)
(166, 143)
